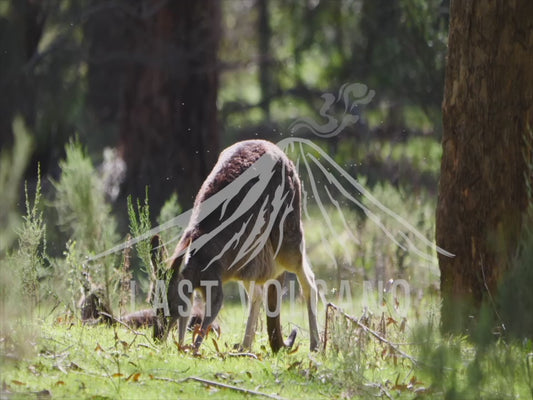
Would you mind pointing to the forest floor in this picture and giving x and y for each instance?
(368, 357)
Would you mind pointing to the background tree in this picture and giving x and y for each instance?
(79, 68)
(168, 114)
(487, 111)
(19, 38)
(143, 76)
(35, 76)
(105, 38)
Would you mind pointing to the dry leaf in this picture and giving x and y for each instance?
(294, 350)
(294, 365)
(216, 345)
(74, 366)
(197, 331)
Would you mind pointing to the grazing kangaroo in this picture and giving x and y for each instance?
(245, 225)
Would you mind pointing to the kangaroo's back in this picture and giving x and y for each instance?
(247, 226)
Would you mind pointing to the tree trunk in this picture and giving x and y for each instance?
(265, 57)
(487, 110)
(105, 36)
(168, 121)
(22, 30)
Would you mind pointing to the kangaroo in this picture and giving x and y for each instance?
(245, 225)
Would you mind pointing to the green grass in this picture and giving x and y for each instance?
(103, 362)
(73, 360)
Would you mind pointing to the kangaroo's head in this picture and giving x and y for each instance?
(180, 288)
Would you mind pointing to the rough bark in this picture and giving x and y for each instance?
(487, 109)
(168, 127)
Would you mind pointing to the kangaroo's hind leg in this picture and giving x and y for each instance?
(306, 277)
(294, 259)
(273, 310)
(255, 298)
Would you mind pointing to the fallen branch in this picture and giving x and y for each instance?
(220, 385)
(366, 329)
(249, 355)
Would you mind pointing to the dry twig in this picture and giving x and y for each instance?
(368, 330)
(221, 385)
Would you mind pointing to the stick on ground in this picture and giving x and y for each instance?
(366, 329)
(221, 385)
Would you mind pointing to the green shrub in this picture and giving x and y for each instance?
(140, 225)
(171, 209)
(12, 166)
(85, 217)
(15, 333)
(367, 253)
(80, 202)
(30, 257)
(515, 294)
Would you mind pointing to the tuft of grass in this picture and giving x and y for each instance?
(31, 253)
(139, 225)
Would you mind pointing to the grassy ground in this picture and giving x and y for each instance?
(72, 360)
(384, 356)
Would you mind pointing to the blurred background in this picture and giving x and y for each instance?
(152, 90)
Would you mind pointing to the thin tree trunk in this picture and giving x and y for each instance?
(487, 109)
(265, 58)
